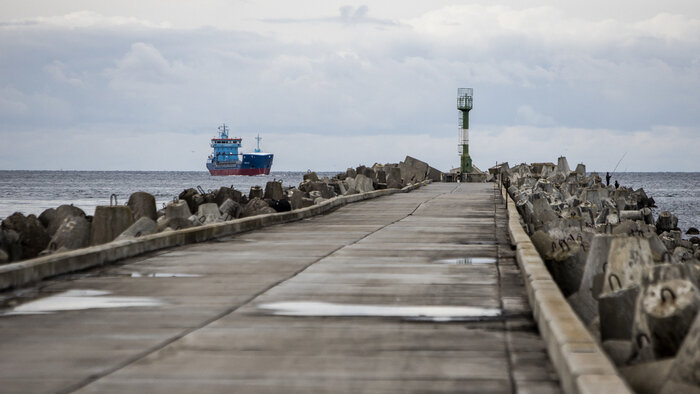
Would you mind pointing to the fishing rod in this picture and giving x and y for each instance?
(618, 163)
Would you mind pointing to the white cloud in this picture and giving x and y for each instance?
(384, 89)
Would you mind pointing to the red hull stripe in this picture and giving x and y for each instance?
(241, 171)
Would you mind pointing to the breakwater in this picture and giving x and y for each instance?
(627, 273)
(68, 227)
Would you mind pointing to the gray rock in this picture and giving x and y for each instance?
(4, 257)
(143, 204)
(74, 233)
(143, 226)
(53, 218)
(33, 237)
(351, 173)
(109, 222)
(10, 244)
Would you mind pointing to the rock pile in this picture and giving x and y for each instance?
(631, 278)
(67, 227)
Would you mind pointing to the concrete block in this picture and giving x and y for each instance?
(143, 226)
(143, 204)
(74, 233)
(109, 222)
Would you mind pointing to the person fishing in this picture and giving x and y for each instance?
(607, 179)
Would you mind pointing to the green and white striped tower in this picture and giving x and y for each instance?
(464, 104)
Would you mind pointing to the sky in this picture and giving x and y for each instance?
(143, 85)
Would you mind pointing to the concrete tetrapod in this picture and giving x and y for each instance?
(685, 371)
(143, 226)
(109, 222)
(143, 204)
(585, 300)
(665, 310)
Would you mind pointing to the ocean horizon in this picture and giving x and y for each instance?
(33, 191)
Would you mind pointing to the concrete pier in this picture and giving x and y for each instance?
(411, 292)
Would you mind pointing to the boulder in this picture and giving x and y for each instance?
(4, 257)
(256, 206)
(74, 233)
(143, 204)
(692, 231)
(109, 222)
(143, 226)
(273, 190)
(350, 173)
(53, 218)
(33, 237)
(230, 210)
(10, 244)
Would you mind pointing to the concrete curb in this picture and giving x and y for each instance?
(581, 364)
(33, 270)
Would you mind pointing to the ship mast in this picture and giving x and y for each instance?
(257, 150)
(224, 131)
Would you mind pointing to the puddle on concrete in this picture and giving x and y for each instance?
(468, 261)
(407, 312)
(162, 275)
(74, 300)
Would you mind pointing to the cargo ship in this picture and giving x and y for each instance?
(226, 160)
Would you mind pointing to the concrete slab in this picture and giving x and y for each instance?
(210, 334)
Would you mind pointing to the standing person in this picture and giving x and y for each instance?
(607, 179)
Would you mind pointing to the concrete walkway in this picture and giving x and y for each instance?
(415, 292)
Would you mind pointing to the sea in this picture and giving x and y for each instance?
(31, 192)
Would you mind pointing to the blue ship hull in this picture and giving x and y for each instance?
(252, 164)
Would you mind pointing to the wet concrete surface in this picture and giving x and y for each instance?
(435, 298)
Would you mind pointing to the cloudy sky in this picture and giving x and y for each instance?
(143, 84)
